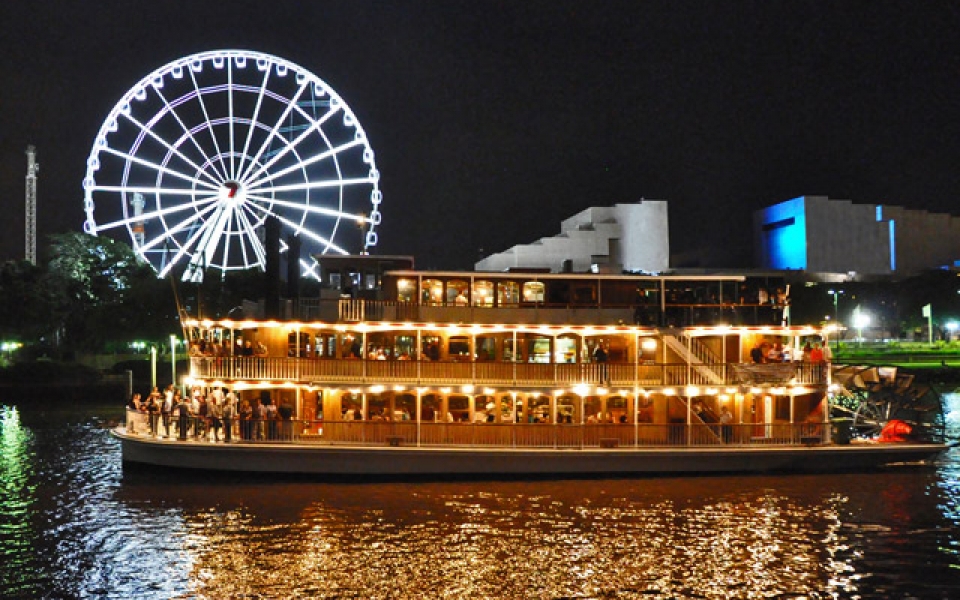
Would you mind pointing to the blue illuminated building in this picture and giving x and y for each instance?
(820, 235)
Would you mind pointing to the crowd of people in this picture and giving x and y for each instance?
(775, 352)
(215, 416)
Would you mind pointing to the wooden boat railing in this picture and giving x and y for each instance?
(493, 435)
(513, 374)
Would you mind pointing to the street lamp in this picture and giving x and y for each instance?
(860, 320)
(836, 312)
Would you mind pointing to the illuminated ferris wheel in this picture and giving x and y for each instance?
(199, 155)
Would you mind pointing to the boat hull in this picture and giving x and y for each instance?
(411, 461)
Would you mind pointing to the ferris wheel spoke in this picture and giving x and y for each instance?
(300, 230)
(251, 235)
(233, 172)
(200, 170)
(310, 270)
(171, 233)
(253, 121)
(160, 168)
(317, 185)
(309, 208)
(160, 191)
(171, 109)
(293, 144)
(255, 184)
(213, 229)
(206, 116)
(274, 130)
(185, 247)
(156, 214)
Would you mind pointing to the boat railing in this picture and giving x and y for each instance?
(501, 435)
(492, 373)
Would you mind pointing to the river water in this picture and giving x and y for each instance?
(75, 524)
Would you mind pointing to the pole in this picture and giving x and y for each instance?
(173, 360)
(153, 367)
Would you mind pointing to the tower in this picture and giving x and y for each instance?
(30, 235)
(137, 203)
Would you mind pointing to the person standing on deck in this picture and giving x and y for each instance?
(183, 421)
(167, 408)
(600, 357)
(229, 412)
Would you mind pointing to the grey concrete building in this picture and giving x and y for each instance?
(624, 237)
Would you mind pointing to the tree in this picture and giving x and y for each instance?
(109, 294)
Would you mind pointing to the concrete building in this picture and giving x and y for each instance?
(624, 237)
(819, 235)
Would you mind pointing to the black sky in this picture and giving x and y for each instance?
(493, 121)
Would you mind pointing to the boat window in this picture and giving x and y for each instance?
(459, 347)
(567, 409)
(430, 408)
(617, 408)
(508, 409)
(486, 348)
(782, 408)
(306, 345)
(378, 408)
(508, 293)
(459, 408)
(406, 290)
(538, 349)
(509, 352)
(430, 347)
(483, 293)
(370, 281)
(484, 409)
(405, 346)
(431, 292)
(533, 291)
(457, 290)
(585, 295)
(538, 409)
(593, 410)
(335, 280)
(565, 350)
(404, 407)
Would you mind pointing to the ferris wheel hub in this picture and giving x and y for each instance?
(232, 193)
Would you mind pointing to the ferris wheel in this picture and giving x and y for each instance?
(197, 158)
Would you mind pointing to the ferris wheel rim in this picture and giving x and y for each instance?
(202, 185)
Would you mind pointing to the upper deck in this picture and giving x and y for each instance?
(362, 289)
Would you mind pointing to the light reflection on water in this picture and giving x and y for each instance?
(75, 524)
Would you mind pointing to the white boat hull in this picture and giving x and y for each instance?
(410, 461)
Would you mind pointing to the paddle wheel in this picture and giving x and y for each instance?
(874, 396)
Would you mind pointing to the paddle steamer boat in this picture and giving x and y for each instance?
(392, 371)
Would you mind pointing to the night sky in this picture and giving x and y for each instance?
(493, 121)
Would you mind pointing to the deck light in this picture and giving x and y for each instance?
(692, 390)
(581, 389)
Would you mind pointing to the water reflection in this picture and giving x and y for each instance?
(17, 496)
(76, 524)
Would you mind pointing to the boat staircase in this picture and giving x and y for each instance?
(705, 366)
